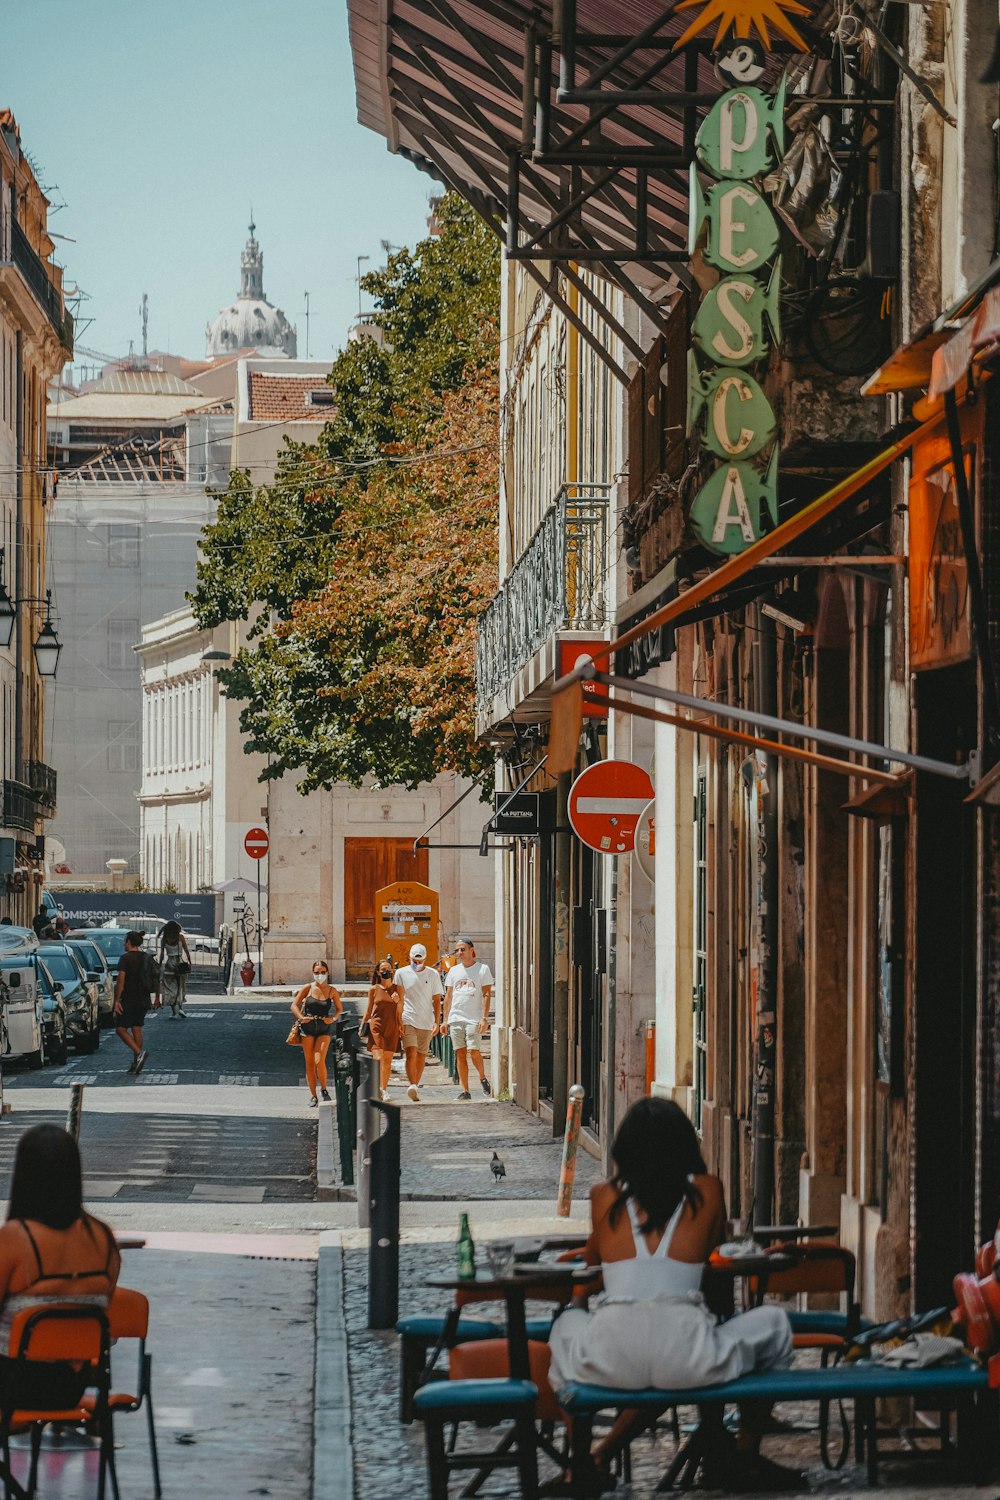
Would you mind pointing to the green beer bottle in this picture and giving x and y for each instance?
(466, 1250)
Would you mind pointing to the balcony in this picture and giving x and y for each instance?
(42, 781)
(558, 583)
(18, 807)
(36, 276)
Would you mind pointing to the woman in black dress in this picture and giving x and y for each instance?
(316, 1008)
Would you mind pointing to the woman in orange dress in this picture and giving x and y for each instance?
(384, 1017)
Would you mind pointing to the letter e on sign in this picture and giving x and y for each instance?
(256, 843)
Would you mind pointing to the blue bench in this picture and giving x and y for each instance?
(485, 1402)
(965, 1384)
(422, 1337)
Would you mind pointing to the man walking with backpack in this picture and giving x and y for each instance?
(132, 991)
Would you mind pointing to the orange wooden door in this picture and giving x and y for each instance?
(370, 864)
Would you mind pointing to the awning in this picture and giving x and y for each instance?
(568, 124)
(911, 366)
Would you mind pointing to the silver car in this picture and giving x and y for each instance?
(98, 972)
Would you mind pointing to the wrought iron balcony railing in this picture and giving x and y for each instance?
(18, 806)
(558, 583)
(42, 780)
(33, 269)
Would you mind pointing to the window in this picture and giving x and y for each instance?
(123, 636)
(123, 745)
(123, 546)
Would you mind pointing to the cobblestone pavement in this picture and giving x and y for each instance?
(446, 1148)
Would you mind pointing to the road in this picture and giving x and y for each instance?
(219, 1114)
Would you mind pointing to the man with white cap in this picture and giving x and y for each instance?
(421, 989)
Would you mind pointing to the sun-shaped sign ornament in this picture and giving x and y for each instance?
(742, 18)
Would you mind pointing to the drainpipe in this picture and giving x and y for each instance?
(766, 700)
(19, 546)
(561, 958)
(562, 871)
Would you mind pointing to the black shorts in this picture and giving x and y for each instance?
(133, 1012)
(40, 1385)
(315, 1028)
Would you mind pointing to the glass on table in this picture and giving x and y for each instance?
(500, 1258)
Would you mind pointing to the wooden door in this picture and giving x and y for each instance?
(370, 864)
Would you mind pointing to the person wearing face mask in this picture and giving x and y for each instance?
(421, 989)
(384, 1021)
(316, 1008)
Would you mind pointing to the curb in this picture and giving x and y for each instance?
(326, 1155)
(333, 1446)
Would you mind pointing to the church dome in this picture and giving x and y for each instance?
(251, 322)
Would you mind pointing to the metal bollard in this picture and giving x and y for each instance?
(383, 1238)
(75, 1111)
(567, 1172)
(368, 1092)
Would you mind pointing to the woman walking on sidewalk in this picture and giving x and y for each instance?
(384, 1020)
(316, 1008)
(175, 966)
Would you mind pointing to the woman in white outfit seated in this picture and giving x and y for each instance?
(655, 1223)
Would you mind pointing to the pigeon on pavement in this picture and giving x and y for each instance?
(497, 1168)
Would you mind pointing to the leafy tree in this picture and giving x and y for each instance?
(364, 565)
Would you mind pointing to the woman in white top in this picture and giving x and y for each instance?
(655, 1223)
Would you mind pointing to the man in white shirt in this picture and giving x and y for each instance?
(468, 987)
(421, 990)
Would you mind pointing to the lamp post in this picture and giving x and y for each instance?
(47, 645)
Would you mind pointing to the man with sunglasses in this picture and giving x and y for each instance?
(468, 987)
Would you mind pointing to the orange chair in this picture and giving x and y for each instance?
(829, 1269)
(128, 1318)
(75, 1343)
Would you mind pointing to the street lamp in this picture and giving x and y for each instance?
(47, 646)
(8, 616)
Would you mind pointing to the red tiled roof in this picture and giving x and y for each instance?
(284, 398)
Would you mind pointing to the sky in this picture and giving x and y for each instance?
(158, 124)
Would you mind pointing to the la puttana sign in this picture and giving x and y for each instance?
(728, 413)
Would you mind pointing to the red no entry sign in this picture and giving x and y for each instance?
(256, 843)
(605, 802)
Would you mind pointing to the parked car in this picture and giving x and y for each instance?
(110, 940)
(79, 995)
(23, 1015)
(17, 940)
(54, 1022)
(99, 972)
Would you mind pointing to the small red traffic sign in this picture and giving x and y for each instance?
(605, 802)
(256, 843)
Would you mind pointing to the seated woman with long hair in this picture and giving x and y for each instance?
(51, 1250)
(655, 1223)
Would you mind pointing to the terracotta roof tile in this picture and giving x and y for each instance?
(285, 398)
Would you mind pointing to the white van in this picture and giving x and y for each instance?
(21, 1014)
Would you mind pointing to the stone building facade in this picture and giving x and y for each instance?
(36, 341)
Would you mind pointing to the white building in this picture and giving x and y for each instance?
(200, 790)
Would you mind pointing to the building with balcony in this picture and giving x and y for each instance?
(36, 341)
(827, 995)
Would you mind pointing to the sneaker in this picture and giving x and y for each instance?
(385, 1096)
(140, 1061)
(465, 1094)
(182, 1015)
(313, 1101)
(485, 1085)
(413, 1094)
(324, 1096)
(131, 1066)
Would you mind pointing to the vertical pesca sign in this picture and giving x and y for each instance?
(741, 137)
